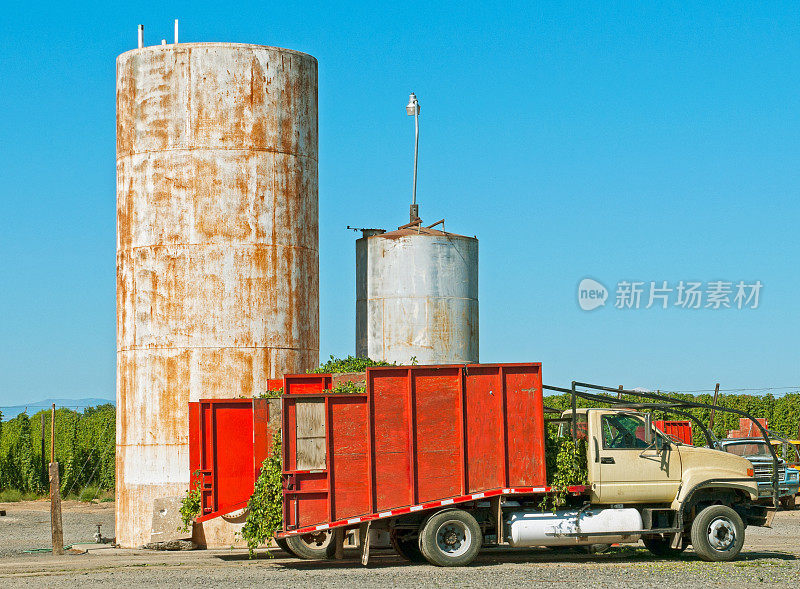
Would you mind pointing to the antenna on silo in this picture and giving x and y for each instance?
(412, 109)
(141, 36)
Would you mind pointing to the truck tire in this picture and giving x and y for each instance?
(450, 539)
(283, 545)
(311, 546)
(717, 533)
(406, 547)
(661, 547)
(787, 503)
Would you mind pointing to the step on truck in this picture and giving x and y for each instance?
(448, 459)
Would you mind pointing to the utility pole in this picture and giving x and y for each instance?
(713, 405)
(55, 494)
(619, 395)
(43, 474)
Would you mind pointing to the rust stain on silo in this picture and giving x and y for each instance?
(217, 246)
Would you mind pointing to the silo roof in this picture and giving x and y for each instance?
(410, 231)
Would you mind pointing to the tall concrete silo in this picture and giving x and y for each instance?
(417, 296)
(217, 246)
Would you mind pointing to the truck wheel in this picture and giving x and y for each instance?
(312, 546)
(283, 545)
(717, 533)
(406, 545)
(787, 503)
(450, 539)
(661, 547)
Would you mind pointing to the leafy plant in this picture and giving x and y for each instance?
(349, 364)
(566, 467)
(190, 507)
(350, 388)
(271, 394)
(265, 507)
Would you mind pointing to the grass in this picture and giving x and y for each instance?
(92, 494)
(14, 495)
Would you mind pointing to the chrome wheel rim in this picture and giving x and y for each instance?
(721, 534)
(453, 538)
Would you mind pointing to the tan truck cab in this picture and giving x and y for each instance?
(632, 464)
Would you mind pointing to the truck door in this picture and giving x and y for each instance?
(625, 469)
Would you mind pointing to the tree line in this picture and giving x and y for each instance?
(84, 449)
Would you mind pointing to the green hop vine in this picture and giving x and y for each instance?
(265, 507)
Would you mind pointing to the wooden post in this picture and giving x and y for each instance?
(55, 493)
(713, 405)
(44, 475)
(53, 433)
(619, 395)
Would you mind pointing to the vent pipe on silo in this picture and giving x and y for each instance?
(141, 36)
(176, 31)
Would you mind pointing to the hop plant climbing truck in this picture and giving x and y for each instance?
(447, 459)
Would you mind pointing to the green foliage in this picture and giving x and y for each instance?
(84, 449)
(350, 388)
(18, 465)
(265, 515)
(566, 466)
(88, 494)
(190, 507)
(10, 496)
(271, 394)
(349, 364)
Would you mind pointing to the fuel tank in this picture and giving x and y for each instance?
(545, 528)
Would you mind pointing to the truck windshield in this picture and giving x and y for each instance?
(748, 449)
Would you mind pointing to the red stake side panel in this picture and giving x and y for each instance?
(679, 429)
(420, 434)
(228, 441)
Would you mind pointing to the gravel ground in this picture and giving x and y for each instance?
(26, 524)
(770, 556)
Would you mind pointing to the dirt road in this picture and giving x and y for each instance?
(770, 557)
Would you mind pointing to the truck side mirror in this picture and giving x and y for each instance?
(648, 429)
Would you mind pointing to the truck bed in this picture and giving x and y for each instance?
(419, 438)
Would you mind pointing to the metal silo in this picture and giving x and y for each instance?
(417, 296)
(217, 247)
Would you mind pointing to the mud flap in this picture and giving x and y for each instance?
(677, 541)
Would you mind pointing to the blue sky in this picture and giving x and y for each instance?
(617, 141)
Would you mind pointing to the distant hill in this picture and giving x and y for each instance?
(35, 407)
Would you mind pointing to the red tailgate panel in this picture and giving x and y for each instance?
(228, 441)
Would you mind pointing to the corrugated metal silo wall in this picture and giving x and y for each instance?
(217, 247)
(417, 297)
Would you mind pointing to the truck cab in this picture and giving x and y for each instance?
(626, 464)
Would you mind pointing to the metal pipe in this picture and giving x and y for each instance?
(412, 108)
(416, 152)
(141, 36)
(176, 31)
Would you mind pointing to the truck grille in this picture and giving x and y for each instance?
(763, 473)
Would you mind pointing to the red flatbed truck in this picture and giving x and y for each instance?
(449, 458)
